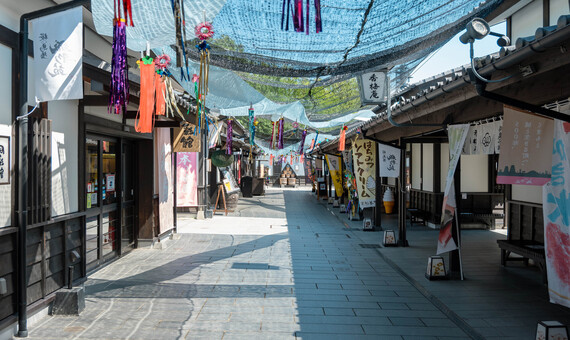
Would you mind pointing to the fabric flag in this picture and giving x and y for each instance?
(486, 138)
(364, 160)
(187, 179)
(389, 161)
(457, 136)
(58, 51)
(526, 148)
(556, 203)
(336, 175)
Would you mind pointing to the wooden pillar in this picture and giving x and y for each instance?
(401, 187)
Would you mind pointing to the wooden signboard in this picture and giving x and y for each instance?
(186, 139)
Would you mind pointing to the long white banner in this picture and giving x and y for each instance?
(556, 205)
(58, 52)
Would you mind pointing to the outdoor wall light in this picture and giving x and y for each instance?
(478, 29)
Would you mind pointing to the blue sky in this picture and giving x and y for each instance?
(455, 54)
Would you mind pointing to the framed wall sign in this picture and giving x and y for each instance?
(4, 160)
(110, 182)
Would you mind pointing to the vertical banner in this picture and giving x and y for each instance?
(556, 204)
(457, 136)
(163, 150)
(309, 169)
(58, 51)
(4, 160)
(347, 159)
(364, 153)
(526, 148)
(389, 161)
(187, 179)
(214, 134)
(334, 169)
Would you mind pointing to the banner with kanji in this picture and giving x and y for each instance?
(389, 160)
(364, 161)
(309, 169)
(445, 242)
(335, 171)
(187, 179)
(556, 213)
(526, 148)
(58, 53)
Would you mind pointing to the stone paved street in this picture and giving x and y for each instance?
(283, 266)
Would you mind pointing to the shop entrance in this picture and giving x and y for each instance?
(109, 196)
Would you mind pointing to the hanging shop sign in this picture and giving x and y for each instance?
(556, 203)
(309, 169)
(229, 181)
(364, 154)
(186, 139)
(58, 51)
(457, 136)
(336, 175)
(389, 160)
(187, 179)
(526, 148)
(4, 160)
(372, 86)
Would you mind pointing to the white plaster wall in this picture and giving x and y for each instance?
(558, 8)
(444, 164)
(527, 193)
(6, 130)
(98, 45)
(102, 113)
(428, 167)
(416, 166)
(474, 173)
(8, 17)
(527, 20)
(64, 157)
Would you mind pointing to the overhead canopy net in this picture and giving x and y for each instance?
(306, 77)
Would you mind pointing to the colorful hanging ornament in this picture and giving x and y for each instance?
(300, 21)
(119, 93)
(159, 94)
(128, 11)
(170, 99)
(280, 139)
(342, 138)
(203, 31)
(303, 136)
(162, 62)
(229, 138)
(251, 114)
(272, 133)
(144, 122)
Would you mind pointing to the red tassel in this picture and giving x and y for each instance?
(128, 10)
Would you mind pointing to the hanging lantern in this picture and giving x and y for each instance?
(229, 137)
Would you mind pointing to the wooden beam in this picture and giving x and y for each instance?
(166, 124)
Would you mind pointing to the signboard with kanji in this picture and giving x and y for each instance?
(186, 139)
(372, 87)
(364, 159)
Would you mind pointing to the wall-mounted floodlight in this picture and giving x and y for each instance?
(478, 29)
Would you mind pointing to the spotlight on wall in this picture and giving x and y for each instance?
(476, 29)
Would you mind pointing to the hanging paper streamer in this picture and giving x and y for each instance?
(252, 122)
(144, 121)
(342, 138)
(229, 138)
(271, 160)
(179, 23)
(271, 139)
(281, 126)
(300, 21)
(303, 136)
(159, 95)
(119, 93)
(170, 99)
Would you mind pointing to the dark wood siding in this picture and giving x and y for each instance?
(525, 221)
(7, 271)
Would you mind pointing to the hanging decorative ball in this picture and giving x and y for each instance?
(162, 61)
(204, 31)
(295, 125)
(195, 78)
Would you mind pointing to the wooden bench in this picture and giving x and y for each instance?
(527, 249)
(416, 214)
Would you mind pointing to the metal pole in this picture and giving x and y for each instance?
(22, 122)
(205, 168)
